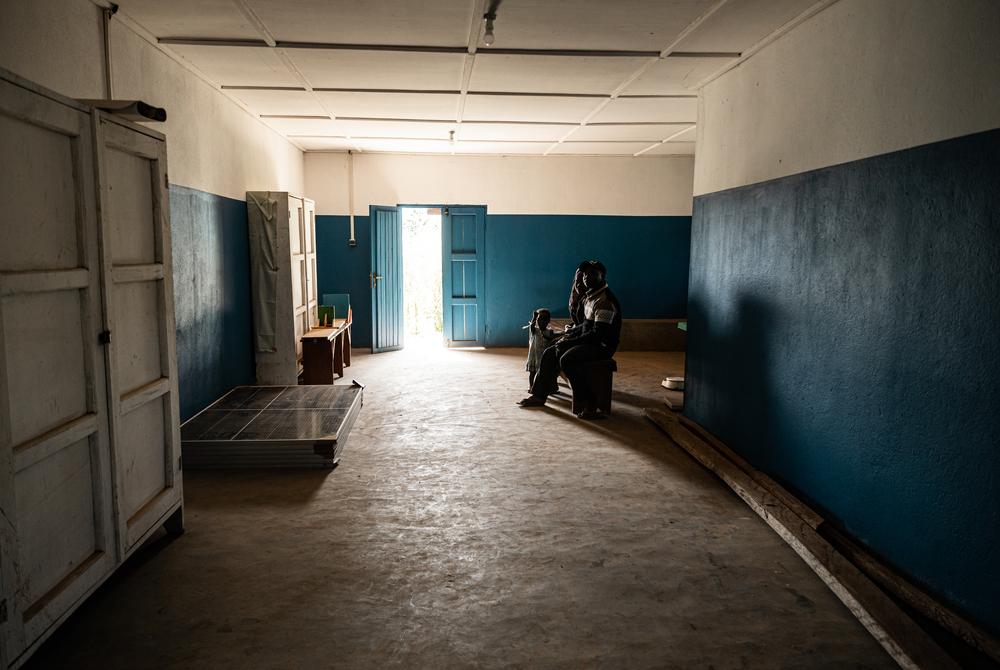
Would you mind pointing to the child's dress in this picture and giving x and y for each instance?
(538, 341)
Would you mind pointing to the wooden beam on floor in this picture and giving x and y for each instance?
(898, 634)
(883, 575)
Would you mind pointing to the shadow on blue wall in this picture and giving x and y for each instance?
(530, 261)
(212, 303)
(843, 338)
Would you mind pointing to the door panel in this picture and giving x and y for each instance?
(387, 279)
(40, 351)
(57, 533)
(139, 314)
(141, 434)
(138, 359)
(295, 225)
(312, 299)
(42, 156)
(464, 276)
(131, 187)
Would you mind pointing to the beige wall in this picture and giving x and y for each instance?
(212, 143)
(861, 78)
(658, 185)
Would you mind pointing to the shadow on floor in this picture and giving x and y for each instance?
(287, 489)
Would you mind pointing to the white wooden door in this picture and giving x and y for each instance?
(57, 531)
(298, 242)
(309, 223)
(139, 313)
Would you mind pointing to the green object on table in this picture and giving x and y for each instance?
(683, 325)
(325, 314)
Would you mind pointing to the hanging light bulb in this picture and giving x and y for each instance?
(488, 36)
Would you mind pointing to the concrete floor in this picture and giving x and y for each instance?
(462, 531)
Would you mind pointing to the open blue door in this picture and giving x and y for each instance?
(386, 278)
(464, 276)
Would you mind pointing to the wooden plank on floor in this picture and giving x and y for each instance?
(880, 573)
(790, 501)
(674, 399)
(898, 634)
(885, 577)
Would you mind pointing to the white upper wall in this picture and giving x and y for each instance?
(212, 143)
(658, 185)
(860, 78)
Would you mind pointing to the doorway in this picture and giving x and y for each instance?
(427, 279)
(423, 320)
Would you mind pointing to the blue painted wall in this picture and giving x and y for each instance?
(344, 269)
(212, 301)
(530, 261)
(843, 337)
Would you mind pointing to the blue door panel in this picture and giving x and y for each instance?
(464, 276)
(464, 323)
(387, 279)
(463, 279)
(464, 233)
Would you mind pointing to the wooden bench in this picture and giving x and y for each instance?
(599, 378)
(326, 352)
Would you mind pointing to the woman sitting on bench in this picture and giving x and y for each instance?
(595, 340)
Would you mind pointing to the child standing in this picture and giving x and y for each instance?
(540, 337)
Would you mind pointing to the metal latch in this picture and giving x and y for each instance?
(104, 337)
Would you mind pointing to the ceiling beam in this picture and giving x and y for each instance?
(479, 122)
(666, 52)
(409, 48)
(268, 37)
(385, 119)
(255, 21)
(668, 139)
(421, 91)
(142, 33)
(475, 30)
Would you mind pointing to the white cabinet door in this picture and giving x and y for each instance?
(57, 532)
(297, 245)
(309, 223)
(139, 313)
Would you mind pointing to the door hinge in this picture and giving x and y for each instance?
(180, 462)
(446, 211)
(3, 611)
(104, 337)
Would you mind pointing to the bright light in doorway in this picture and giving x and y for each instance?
(423, 314)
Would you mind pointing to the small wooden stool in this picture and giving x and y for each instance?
(599, 378)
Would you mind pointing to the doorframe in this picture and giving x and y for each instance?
(445, 300)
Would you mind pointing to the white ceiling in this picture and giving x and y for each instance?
(592, 77)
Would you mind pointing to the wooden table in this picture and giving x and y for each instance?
(326, 352)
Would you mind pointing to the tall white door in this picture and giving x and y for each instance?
(309, 225)
(298, 242)
(57, 531)
(138, 297)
